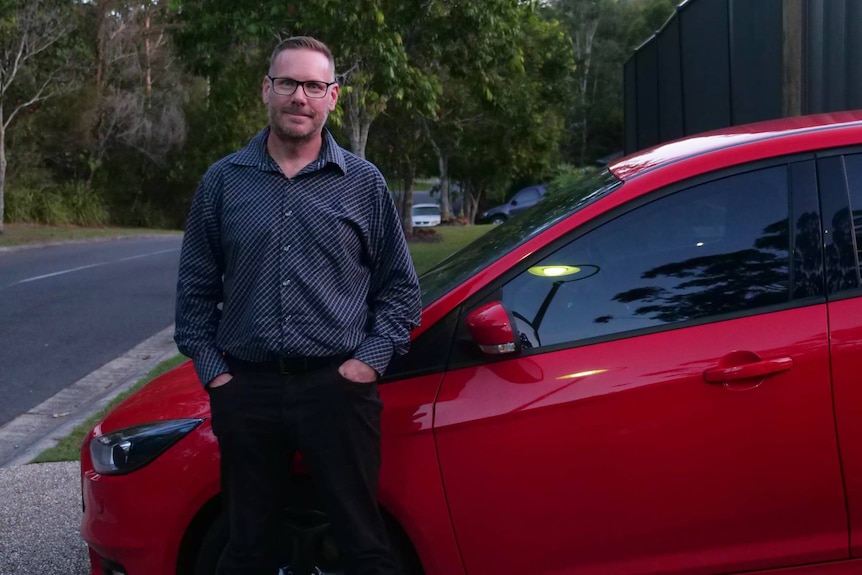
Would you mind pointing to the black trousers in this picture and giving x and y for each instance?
(261, 418)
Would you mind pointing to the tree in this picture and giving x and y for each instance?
(29, 30)
(603, 34)
(216, 35)
(518, 117)
(138, 94)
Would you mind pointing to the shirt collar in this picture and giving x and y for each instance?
(255, 154)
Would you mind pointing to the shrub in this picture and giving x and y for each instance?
(82, 205)
(72, 203)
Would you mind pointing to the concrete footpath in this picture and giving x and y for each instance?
(40, 520)
(40, 504)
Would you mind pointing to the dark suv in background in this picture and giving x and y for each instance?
(522, 200)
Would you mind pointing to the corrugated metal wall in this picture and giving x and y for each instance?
(719, 63)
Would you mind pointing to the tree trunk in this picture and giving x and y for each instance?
(356, 125)
(471, 205)
(100, 48)
(148, 81)
(407, 215)
(2, 170)
(587, 54)
(445, 203)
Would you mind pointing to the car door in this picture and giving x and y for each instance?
(841, 188)
(671, 409)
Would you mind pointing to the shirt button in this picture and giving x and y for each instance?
(285, 283)
(288, 213)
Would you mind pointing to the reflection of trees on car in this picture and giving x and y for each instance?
(713, 285)
(841, 253)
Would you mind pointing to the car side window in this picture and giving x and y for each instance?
(716, 248)
(527, 197)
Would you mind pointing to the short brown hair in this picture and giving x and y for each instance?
(303, 43)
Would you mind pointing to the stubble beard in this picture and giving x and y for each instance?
(290, 133)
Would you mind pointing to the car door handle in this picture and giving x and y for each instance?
(750, 370)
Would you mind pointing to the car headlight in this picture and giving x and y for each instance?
(126, 450)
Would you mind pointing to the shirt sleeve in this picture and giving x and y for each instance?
(199, 286)
(394, 298)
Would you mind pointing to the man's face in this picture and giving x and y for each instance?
(297, 117)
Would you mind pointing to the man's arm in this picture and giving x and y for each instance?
(199, 287)
(394, 298)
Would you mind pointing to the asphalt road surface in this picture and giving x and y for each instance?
(67, 310)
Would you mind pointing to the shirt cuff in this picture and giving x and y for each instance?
(375, 351)
(208, 364)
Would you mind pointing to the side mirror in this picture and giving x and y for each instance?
(514, 202)
(493, 329)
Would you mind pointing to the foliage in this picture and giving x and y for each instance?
(70, 204)
(149, 93)
(516, 128)
(604, 34)
(568, 176)
(35, 62)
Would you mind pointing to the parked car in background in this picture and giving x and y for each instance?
(655, 373)
(426, 215)
(523, 199)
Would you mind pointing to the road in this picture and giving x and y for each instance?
(67, 310)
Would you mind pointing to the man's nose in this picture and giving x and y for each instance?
(299, 95)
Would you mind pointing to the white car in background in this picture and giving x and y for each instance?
(426, 215)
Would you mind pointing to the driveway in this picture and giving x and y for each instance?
(40, 515)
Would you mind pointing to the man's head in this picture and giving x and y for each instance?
(300, 89)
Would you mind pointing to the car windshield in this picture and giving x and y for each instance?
(499, 241)
(426, 211)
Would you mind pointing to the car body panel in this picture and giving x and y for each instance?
(637, 444)
(775, 137)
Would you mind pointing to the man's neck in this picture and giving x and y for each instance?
(293, 155)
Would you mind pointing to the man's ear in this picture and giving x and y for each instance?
(333, 96)
(264, 89)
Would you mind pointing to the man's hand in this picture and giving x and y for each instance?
(357, 371)
(219, 380)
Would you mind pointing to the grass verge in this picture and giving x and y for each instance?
(69, 448)
(22, 234)
(425, 255)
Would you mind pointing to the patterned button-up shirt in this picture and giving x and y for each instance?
(309, 266)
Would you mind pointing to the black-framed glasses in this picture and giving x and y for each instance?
(311, 88)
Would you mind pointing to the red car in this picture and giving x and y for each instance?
(657, 372)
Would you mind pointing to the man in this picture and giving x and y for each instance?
(295, 289)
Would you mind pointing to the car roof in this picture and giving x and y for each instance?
(733, 137)
(426, 205)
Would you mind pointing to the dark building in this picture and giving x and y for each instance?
(718, 63)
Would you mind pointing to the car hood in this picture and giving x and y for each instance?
(175, 395)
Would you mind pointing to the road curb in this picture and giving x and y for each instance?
(40, 428)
